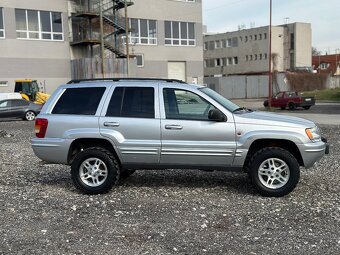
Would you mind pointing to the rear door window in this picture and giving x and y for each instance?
(132, 102)
(79, 101)
(20, 103)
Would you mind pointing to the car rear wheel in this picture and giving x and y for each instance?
(29, 115)
(274, 171)
(95, 170)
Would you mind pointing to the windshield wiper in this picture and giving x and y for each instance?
(242, 109)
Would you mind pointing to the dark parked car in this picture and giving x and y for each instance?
(19, 108)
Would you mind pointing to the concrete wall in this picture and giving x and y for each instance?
(46, 61)
(245, 86)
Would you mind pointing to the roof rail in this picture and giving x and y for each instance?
(124, 79)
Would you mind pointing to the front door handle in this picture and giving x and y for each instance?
(173, 127)
(111, 124)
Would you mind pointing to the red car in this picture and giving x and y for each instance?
(290, 99)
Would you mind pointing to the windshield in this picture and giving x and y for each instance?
(220, 99)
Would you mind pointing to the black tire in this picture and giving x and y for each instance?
(29, 116)
(291, 173)
(108, 163)
(306, 107)
(126, 173)
(291, 106)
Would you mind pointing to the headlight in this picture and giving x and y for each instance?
(313, 134)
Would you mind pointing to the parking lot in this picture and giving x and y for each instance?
(162, 212)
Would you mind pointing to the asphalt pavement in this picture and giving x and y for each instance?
(162, 212)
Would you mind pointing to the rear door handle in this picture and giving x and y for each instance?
(111, 124)
(173, 127)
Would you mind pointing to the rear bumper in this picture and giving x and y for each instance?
(51, 150)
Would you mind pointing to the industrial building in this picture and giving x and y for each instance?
(57, 40)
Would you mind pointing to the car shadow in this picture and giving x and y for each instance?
(235, 182)
(157, 179)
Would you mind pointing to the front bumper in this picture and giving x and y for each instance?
(313, 152)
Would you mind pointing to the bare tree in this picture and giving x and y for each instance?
(315, 52)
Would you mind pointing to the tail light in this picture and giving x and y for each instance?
(40, 127)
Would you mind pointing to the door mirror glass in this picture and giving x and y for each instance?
(217, 115)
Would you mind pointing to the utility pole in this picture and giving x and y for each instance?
(270, 74)
(336, 61)
(127, 39)
(102, 48)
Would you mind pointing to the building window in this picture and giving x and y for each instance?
(247, 58)
(3, 83)
(2, 27)
(251, 57)
(260, 56)
(217, 44)
(229, 43)
(260, 36)
(140, 60)
(292, 41)
(235, 60)
(255, 57)
(250, 38)
(218, 62)
(255, 37)
(234, 42)
(180, 33)
(246, 38)
(229, 61)
(265, 56)
(265, 35)
(39, 25)
(143, 31)
(205, 46)
(240, 38)
(324, 66)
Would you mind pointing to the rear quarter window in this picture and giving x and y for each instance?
(80, 101)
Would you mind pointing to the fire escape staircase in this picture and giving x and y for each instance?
(114, 25)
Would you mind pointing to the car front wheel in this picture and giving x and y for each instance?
(274, 171)
(95, 170)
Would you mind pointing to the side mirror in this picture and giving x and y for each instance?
(216, 115)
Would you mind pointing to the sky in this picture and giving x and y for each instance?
(227, 15)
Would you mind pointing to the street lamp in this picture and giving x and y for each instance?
(270, 74)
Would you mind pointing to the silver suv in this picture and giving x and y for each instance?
(107, 129)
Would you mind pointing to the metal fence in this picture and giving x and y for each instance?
(245, 86)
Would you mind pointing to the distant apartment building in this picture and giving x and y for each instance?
(39, 39)
(246, 51)
(327, 64)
